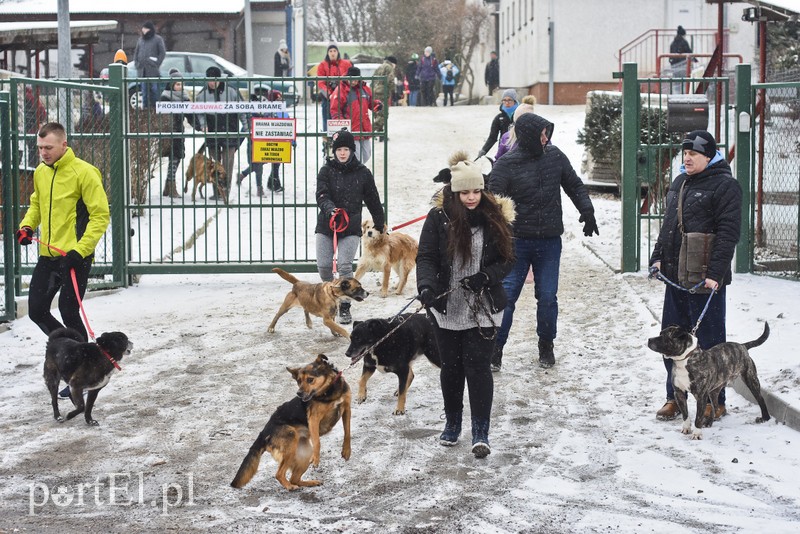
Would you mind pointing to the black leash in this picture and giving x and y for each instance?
(656, 273)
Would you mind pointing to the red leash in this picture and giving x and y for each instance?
(412, 221)
(340, 226)
(80, 302)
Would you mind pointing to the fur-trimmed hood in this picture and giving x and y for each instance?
(506, 204)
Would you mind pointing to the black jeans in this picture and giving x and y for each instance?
(49, 277)
(466, 355)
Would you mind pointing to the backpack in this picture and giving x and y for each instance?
(449, 75)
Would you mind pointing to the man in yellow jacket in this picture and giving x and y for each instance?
(70, 204)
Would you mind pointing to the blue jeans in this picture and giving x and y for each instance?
(150, 94)
(544, 256)
(683, 308)
(412, 97)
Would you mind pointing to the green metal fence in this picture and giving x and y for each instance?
(153, 233)
(651, 154)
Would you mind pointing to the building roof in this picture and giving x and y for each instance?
(24, 35)
(785, 8)
(143, 7)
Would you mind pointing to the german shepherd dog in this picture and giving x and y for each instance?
(321, 299)
(395, 354)
(705, 372)
(81, 365)
(383, 252)
(292, 433)
(205, 170)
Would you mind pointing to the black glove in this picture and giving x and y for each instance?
(73, 260)
(589, 224)
(25, 235)
(476, 282)
(427, 297)
(653, 270)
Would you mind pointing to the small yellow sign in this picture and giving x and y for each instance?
(272, 151)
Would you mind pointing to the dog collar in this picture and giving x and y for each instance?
(110, 358)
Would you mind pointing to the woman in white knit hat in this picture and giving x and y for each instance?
(465, 251)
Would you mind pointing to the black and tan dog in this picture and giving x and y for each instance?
(705, 372)
(83, 366)
(204, 170)
(321, 299)
(413, 337)
(292, 434)
(384, 252)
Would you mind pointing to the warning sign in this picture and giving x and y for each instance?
(334, 125)
(273, 129)
(272, 151)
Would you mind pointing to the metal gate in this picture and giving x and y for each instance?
(153, 233)
(651, 153)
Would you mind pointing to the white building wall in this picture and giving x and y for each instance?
(589, 33)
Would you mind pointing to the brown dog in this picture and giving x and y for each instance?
(383, 252)
(292, 433)
(320, 299)
(205, 170)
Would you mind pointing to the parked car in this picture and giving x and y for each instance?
(194, 65)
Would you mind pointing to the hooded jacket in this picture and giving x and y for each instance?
(347, 186)
(533, 176)
(354, 103)
(70, 204)
(712, 201)
(434, 263)
(149, 53)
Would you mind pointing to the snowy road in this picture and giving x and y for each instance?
(574, 449)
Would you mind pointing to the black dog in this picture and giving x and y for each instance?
(705, 372)
(395, 354)
(83, 366)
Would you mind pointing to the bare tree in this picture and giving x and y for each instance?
(345, 20)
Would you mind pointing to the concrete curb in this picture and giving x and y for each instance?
(781, 411)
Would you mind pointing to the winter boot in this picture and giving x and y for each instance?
(260, 191)
(546, 357)
(480, 437)
(344, 313)
(170, 190)
(274, 183)
(497, 358)
(452, 429)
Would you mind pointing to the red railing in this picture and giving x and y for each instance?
(645, 49)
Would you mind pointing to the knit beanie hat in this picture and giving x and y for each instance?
(343, 138)
(392, 60)
(428, 50)
(121, 57)
(681, 30)
(700, 141)
(465, 176)
(332, 44)
(213, 72)
(175, 73)
(522, 109)
(354, 71)
(510, 92)
(282, 45)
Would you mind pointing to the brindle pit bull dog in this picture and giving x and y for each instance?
(706, 372)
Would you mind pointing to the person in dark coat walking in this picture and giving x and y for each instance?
(533, 176)
(148, 55)
(428, 73)
(492, 74)
(465, 251)
(679, 65)
(412, 79)
(502, 121)
(177, 146)
(712, 202)
(344, 184)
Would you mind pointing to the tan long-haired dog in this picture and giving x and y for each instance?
(292, 434)
(384, 252)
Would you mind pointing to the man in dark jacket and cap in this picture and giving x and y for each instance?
(149, 54)
(532, 175)
(712, 202)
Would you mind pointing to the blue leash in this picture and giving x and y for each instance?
(655, 273)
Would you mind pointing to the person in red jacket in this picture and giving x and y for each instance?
(353, 100)
(332, 65)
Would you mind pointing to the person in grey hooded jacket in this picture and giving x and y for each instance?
(533, 176)
(149, 54)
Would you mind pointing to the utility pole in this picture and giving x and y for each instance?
(64, 41)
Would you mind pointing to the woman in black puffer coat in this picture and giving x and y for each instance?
(344, 184)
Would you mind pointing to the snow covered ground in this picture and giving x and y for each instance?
(576, 448)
